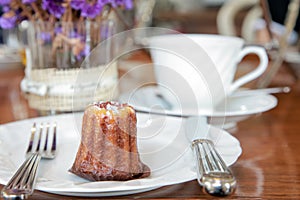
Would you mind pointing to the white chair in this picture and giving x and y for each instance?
(228, 13)
(286, 37)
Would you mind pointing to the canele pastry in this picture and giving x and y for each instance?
(108, 148)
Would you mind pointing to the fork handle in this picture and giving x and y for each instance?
(21, 185)
(213, 174)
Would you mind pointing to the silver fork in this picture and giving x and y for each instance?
(21, 185)
(214, 175)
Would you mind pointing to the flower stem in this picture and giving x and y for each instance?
(24, 10)
(37, 11)
(122, 18)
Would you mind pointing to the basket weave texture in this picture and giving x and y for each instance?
(97, 84)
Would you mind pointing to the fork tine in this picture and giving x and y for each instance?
(47, 133)
(33, 130)
(53, 148)
(22, 183)
(39, 138)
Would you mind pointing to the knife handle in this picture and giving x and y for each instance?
(213, 174)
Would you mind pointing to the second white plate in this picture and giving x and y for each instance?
(148, 99)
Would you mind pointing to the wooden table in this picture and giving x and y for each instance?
(269, 167)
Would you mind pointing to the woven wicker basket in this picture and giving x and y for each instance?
(104, 81)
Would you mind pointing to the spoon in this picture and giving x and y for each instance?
(213, 174)
(165, 103)
(261, 91)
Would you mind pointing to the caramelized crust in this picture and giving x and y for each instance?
(108, 148)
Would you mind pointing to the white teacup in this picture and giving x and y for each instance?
(197, 70)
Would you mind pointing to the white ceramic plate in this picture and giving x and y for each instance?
(103, 194)
(235, 109)
(162, 146)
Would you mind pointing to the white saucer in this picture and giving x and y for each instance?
(235, 109)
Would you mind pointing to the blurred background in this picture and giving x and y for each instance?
(273, 24)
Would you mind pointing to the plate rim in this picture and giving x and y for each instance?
(272, 99)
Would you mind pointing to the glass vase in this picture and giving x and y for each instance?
(60, 76)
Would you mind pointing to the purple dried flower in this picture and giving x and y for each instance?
(91, 10)
(54, 7)
(5, 9)
(77, 5)
(45, 37)
(8, 22)
(28, 1)
(58, 30)
(4, 2)
(75, 34)
(84, 52)
(128, 4)
(113, 3)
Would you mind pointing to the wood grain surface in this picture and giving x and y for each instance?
(269, 167)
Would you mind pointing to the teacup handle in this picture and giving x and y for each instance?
(259, 70)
